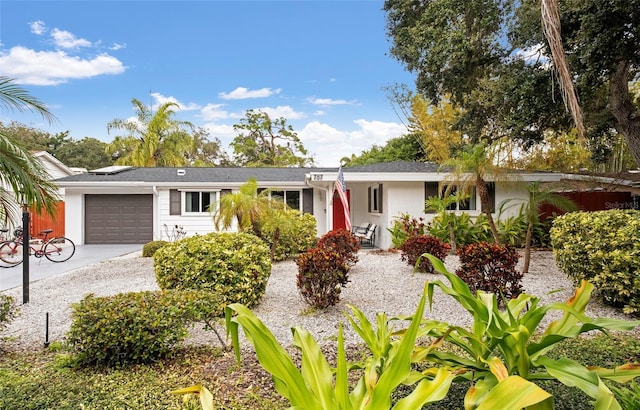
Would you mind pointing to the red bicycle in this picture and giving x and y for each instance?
(58, 249)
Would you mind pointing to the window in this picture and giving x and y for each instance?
(175, 202)
(198, 202)
(468, 204)
(291, 198)
(375, 199)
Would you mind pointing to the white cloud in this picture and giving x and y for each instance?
(161, 99)
(38, 27)
(117, 46)
(329, 101)
(330, 144)
(66, 39)
(213, 112)
(282, 111)
(242, 93)
(224, 132)
(54, 67)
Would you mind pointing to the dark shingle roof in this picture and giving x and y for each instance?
(159, 175)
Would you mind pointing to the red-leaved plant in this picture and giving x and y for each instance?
(415, 246)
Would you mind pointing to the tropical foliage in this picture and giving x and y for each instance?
(153, 139)
(26, 177)
(477, 52)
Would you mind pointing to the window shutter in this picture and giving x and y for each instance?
(380, 198)
(430, 189)
(369, 199)
(307, 200)
(175, 207)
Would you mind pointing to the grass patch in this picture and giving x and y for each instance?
(45, 380)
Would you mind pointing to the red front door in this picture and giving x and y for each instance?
(338, 212)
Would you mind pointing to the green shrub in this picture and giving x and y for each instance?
(491, 268)
(135, 327)
(150, 248)
(8, 310)
(414, 247)
(603, 248)
(234, 266)
(294, 237)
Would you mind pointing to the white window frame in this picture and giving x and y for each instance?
(214, 197)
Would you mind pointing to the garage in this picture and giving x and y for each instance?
(115, 219)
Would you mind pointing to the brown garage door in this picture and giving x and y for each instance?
(118, 219)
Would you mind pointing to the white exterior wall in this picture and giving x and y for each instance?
(74, 217)
(193, 224)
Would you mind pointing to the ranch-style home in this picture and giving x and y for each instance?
(122, 204)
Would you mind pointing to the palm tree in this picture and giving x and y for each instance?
(471, 168)
(246, 207)
(154, 140)
(539, 196)
(29, 181)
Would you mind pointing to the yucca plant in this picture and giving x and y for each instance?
(504, 357)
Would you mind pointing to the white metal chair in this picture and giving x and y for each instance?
(367, 238)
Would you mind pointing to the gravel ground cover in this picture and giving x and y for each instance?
(379, 282)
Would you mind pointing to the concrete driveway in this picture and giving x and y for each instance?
(40, 268)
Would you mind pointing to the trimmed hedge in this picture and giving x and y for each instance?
(150, 248)
(603, 248)
(234, 266)
(293, 238)
(135, 327)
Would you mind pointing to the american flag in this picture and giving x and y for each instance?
(342, 192)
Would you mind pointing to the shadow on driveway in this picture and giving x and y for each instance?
(40, 268)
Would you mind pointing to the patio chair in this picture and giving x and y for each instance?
(367, 239)
(360, 229)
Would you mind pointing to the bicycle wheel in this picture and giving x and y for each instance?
(59, 249)
(10, 254)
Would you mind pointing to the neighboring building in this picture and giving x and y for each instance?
(135, 205)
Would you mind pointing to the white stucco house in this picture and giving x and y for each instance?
(123, 204)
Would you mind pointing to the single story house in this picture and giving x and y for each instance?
(123, 204)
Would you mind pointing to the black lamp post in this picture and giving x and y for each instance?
(25, 254)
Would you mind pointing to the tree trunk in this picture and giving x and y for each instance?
(527, 248)
(625, 113)
(452, 238)
(483, 192)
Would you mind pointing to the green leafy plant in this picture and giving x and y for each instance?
(8, 310)
(150, 248)
(502, 355)
(415, 246)
(604, 248)
(490, 267)
(288, 234)
(234, 266)
(135, 327)
(315, 385)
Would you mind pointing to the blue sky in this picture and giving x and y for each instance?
(322, 65)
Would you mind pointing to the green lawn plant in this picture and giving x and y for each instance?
(504, 355)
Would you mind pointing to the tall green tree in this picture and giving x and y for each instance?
(492, 57)
(207, 152)
(263, 142)
(403, 148)
(25, 175)
(155, 139)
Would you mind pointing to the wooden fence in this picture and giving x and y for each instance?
(40, 222)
